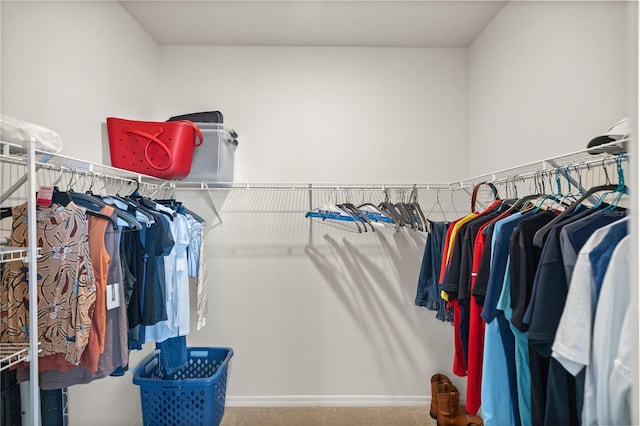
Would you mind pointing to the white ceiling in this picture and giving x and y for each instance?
(395, 23)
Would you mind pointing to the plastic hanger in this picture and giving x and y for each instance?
(538, 239)
(389, 209)
(129, 207)
(474, 194)
(331, 211)
(417, 210)
(374, 214)
(407, 217)
(621, 183)
(521, 202)
(94, 204)
(557, 198)
(146, 203)
(350, 208)
(102, 216)
(569, 194)
(357, 217)
(405, 212)
(178, 206)
(5, 212)
(60, 197)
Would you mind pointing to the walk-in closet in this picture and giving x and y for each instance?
(367, 131)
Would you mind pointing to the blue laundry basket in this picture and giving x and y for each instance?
(194, 395)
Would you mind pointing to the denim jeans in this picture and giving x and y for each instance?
(428, 291)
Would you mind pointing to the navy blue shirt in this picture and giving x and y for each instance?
(499, 265)
(523, 265)
(601, 254)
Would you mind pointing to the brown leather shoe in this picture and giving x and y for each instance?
(449, 411)
(436, 379)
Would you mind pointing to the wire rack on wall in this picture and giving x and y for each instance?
(442, 203)
(583, 161)
(442, 200)
(57, 169)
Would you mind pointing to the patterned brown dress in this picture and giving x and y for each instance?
(66, 286)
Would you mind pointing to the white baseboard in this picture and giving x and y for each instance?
(330, 401)
(327, 401)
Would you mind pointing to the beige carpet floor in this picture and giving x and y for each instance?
(328, 416)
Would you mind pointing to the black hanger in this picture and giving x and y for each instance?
(136, 192)
(521, 202)
(142, 208)
(97, 204)
(196, 216)
(179, 207)
(147, 203)
(171, 202)
(538, 239)
(60, 197)
(102, 216)
(130, 211)
(5, 212)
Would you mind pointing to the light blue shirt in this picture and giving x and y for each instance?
(497, 407)
(523, 374)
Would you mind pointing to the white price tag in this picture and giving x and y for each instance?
(113, 296)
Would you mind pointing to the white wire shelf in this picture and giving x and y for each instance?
(13, 353)
(297, 186)
(583, 159)
(11, 254)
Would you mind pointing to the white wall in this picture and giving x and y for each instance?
(333, 321)
(315, 311)
(329, 114)
(317, 315)
(68, 65)
(547, 77)
(544, 79)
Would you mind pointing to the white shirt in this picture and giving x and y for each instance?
(572, 344)
(613, 304)
(620, 379)
(177, 286)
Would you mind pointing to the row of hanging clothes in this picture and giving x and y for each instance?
(367, 216)
(113, 273)
(538, 290)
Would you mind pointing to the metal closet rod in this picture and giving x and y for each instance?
(227, 186)
(85, 168)
(44, 157)
(84, 173)
(577, 158)
(565, 170)
(581, 158)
